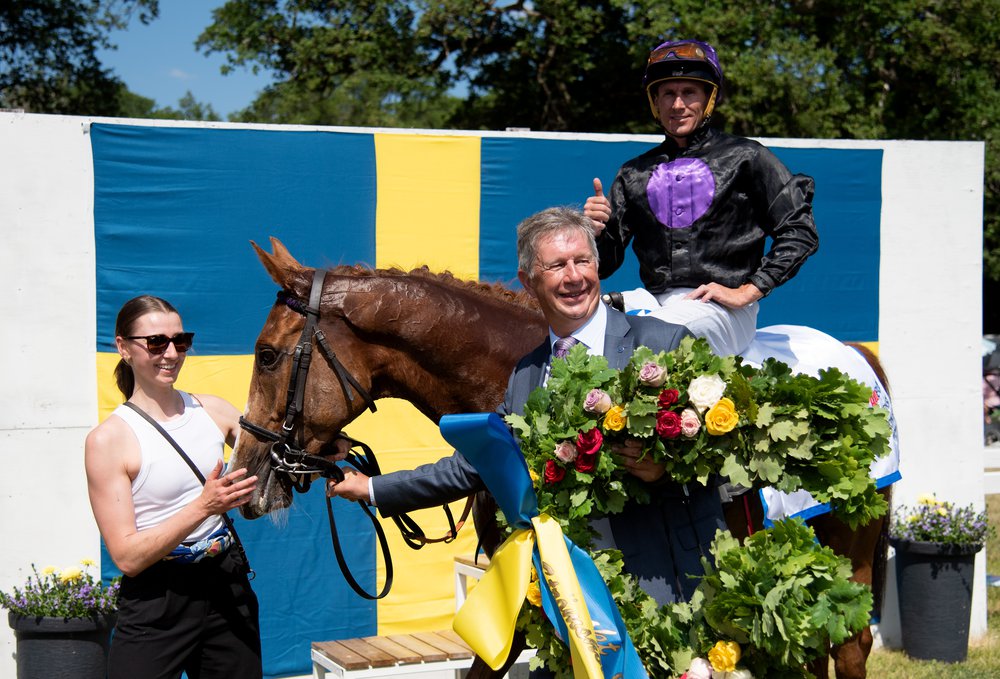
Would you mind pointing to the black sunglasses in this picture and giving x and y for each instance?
(157, 344)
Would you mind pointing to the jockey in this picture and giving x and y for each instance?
(698, 208)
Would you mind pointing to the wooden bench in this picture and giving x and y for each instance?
(395, 655)
(391, 655)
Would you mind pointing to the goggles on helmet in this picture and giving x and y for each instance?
(683, 60)
(684, 50)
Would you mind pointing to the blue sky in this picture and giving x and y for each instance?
(159, 60)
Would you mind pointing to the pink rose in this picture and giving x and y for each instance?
(565, 452)
(690, 424)
(597, 402)
(553, 472)
(667, 398)
(652, 375)
(668, 424)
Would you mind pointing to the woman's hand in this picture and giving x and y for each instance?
(221, 494)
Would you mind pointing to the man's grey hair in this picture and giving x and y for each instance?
(546, 223)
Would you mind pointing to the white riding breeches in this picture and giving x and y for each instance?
(728, 331)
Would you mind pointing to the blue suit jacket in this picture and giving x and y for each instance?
(661, 542)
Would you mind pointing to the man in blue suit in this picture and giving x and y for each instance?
(662, 541)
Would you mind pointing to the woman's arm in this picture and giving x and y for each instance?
(112, 459)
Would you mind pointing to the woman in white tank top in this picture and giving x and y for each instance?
(185, 604)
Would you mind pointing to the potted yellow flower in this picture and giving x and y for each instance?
(936, 543)
(62, 622)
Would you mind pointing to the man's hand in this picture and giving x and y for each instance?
(354, 487)
(597, 208)
(645, 469)
(734, 298)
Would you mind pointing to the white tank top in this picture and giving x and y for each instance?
(165, 483)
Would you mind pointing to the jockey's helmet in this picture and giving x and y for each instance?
(687, 60)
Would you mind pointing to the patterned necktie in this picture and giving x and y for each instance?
(563, 345)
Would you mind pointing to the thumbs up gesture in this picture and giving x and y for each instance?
(597, 208)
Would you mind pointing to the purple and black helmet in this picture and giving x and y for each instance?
(688, 60)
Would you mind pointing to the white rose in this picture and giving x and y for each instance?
(705, 391)
(700, 669)
(735, 674)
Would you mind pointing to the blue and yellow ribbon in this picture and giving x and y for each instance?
(574, 595)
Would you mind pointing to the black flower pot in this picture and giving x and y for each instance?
(934, 581)
(60, 648)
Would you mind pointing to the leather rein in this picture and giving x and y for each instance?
(288, 456)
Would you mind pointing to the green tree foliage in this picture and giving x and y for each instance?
(339, 62)
(48, 54)
(898, 69)
(49, 62)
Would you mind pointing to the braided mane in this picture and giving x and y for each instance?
(497, 291)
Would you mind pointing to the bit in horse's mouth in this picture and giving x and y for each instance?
(273, 492)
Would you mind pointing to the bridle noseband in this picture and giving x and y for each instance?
(289, 458)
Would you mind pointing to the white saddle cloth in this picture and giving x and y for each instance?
(805, 350)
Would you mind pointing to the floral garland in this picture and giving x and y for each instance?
(700, 414)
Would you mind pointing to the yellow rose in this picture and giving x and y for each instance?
(70, 575)
(721, 418)
(534, 595)
(534, 476)
(614, 420)
(724, 656)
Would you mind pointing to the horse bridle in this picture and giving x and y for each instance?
(289, 458)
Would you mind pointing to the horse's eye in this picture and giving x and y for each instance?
(267, 357)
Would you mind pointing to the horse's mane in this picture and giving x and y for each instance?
(496, 291)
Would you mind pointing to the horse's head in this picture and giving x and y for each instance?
(444, 345)
(327, 399)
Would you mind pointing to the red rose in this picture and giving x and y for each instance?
(668, 397)
(668, 424)
(554, 472)
(588, 445)
(589, 442)
(586, 463)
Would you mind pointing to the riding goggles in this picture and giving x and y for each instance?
(685, 50)
(157, 344)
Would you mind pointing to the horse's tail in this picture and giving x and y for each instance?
(880, 559)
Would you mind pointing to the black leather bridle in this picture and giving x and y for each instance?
(288, 456)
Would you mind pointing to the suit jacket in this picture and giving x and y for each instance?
(661, 542)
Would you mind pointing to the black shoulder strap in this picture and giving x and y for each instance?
(201, 477)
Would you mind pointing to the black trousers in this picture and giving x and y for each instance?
(199, 618)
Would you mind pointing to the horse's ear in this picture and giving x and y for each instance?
(281, 266)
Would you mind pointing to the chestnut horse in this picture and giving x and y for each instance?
(446, 346)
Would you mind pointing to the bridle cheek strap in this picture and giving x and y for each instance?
(300, 467)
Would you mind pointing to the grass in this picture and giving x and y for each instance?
(984, 655)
